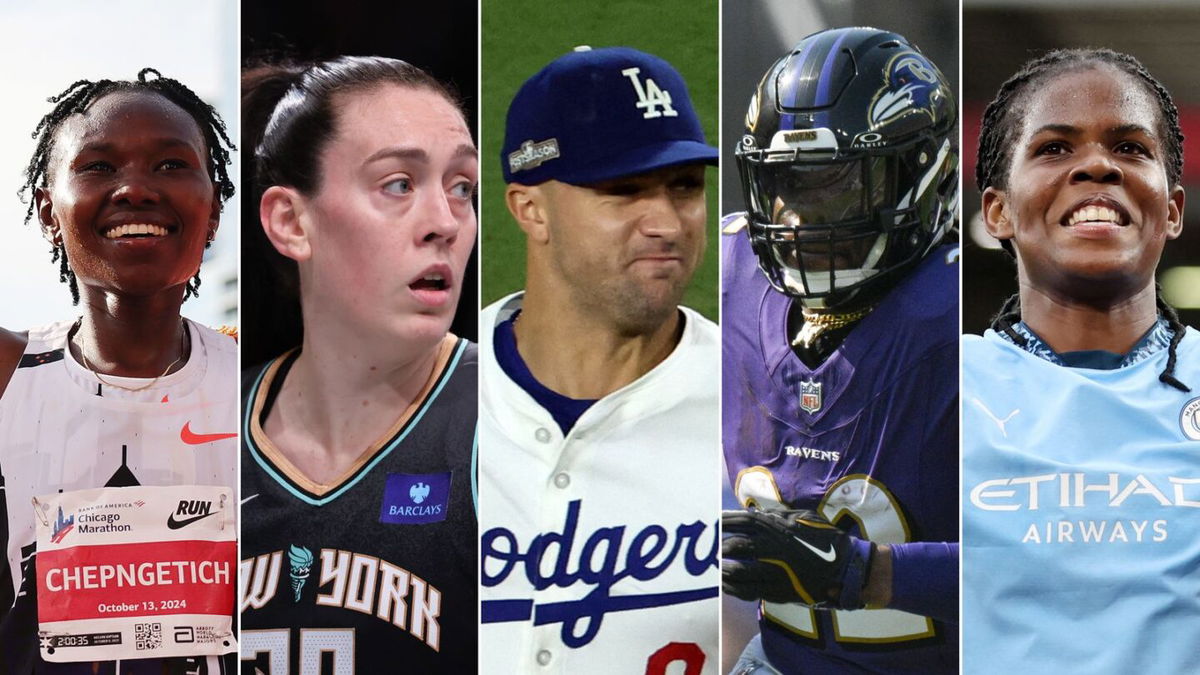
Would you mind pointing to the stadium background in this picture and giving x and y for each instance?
(522, 36)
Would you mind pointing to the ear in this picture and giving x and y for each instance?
(527, 204)
(214, 218)
(283, 214)
(996, 217)
(1175, 213)
(43, 206)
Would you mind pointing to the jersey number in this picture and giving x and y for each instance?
(868, 503)
(687, 653)
(314, 644)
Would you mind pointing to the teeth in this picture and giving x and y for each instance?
(133, 229)
(1093, 213)
(432, 277)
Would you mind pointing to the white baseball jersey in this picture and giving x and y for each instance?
(600, 549)
(62, 429)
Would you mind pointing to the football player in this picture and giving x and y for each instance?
(840, 384)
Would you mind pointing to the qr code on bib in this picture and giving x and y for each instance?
(147, 635)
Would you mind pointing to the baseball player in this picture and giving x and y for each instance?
(1081, 421)
(598, 456)
(840, 387)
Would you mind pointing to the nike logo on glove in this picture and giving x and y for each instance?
(192, 438)
(827, 556)
(176, 524)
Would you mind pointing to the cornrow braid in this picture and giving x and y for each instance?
(1167, 376)
(1007, 317)
(1010, 314)
(1004, 116)
(78, 97)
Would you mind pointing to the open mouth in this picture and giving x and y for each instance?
(136, 231)
(1093, 213)
(430, 282)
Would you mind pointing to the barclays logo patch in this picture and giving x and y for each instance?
(415, 499)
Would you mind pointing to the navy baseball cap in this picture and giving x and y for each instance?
(597, 114)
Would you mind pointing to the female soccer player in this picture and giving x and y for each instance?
(1079, 415)
(359, 524)
(127, 182)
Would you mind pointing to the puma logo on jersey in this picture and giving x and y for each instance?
(650, 97)
(999, 422)
(192, 438)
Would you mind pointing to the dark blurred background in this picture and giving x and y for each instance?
(998, 37)
(440, 37)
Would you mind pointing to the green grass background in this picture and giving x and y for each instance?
(522, 36)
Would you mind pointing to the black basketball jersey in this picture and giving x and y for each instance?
(376, 573)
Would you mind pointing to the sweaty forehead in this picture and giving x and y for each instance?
(1092, 94)
(125, 114)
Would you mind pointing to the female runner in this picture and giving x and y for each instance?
(127, 180)
(359, 523)
(1081, 463)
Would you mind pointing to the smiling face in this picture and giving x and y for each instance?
(1088, 205)
(129, 195)
(627, 247)
(392, 222)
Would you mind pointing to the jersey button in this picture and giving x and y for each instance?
(542, 435)
(544, 657)
(562, 480)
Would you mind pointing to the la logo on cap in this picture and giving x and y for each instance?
(650, 96)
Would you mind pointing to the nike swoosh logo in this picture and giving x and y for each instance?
(176, 524)
(249, 498)
(192, 438)
(827, 556)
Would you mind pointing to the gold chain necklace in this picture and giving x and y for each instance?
(183, 341)
(817, 323)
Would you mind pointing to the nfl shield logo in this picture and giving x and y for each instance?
(810, 396)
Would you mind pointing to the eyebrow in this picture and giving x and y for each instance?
(419, 154)
(1068, 129)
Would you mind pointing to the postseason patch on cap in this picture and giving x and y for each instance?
(415, 498)
(531, 155)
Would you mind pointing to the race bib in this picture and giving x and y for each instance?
(136, 572)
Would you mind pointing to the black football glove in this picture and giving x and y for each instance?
(792, 556)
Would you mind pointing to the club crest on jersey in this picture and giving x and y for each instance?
(810, 396)
(911, 87)
(300, 561)
(652, 100)
(415, 499)
(1189, 419)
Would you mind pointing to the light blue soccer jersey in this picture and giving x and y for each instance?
(1081, 513)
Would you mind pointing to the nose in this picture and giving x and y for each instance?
(135, 188)
(660, 214)
(1095, 165)
(438, 220)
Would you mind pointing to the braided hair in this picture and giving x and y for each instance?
(78, 97)
(1002, 121)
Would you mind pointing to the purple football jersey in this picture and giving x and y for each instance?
(869, 438)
